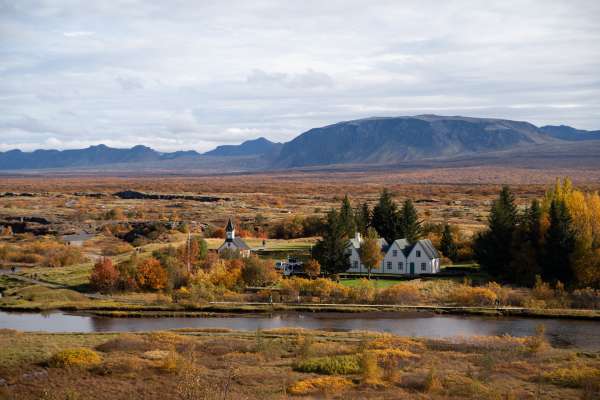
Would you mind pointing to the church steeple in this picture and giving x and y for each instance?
(230, 230)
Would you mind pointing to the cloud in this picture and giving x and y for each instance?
(309, 79)
(212, 72)
(76, 34)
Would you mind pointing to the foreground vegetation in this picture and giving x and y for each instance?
(289, 363)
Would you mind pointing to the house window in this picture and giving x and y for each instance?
(355, 264)
(395, 253)
(418, 253)
(389, 265)
(423, 267)
(400, 266)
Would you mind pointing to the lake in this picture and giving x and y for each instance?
(560, 332)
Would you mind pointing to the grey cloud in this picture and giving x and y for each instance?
(197, 74)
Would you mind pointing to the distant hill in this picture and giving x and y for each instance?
(398, 139)
(89, 157)
(568, 133)
(258, 146)
(424, 140)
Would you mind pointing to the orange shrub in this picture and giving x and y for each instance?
(151, 275)
(399, 294)
(473, 296)
(104, 275)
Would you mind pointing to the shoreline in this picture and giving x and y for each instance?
(221, 310)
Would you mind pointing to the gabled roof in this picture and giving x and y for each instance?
(383, 244)
(239, 243)
(427, 247)
(229, 227)
(403, 245)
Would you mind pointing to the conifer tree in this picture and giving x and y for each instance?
(410, 225)
(447, 244)
(386, 218)
(330, 251)
(493, 248)
(559, 246)
(362, 216)
(346, 217)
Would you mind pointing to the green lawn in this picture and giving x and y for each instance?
(379, 283)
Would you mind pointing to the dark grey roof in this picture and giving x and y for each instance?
(239, 243)
(428, 248)
(229, 227)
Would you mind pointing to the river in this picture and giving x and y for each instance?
(560, 332)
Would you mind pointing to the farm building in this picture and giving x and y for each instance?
(401, 257)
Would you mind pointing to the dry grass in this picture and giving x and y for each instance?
(77, 357)
(323, 385)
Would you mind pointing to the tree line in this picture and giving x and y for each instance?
(556, 238)
(386, 220)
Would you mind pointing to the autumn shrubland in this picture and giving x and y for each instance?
(295, 363)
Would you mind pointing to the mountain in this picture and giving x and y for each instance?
(89, 157)
(398, 139)
(412, 141)
(258, 146)
(570, 134)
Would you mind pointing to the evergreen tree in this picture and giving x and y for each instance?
(410, 226)
(385, 217)
(362, 216)
(560, 244)
(346, 217)
(331, 250)
(526, 248)
(493, 248)
(447, 244)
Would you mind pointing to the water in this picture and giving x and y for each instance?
(560, 332)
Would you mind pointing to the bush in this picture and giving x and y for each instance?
(76, 357)
(369, 368)
(473, 296)
(151, 275)
(574, 377)
(257, 272)
(333, 365)
(322, 385)
(586, 298)
(104, 276)
(399, 294)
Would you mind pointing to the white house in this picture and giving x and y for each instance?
(353, 247)
(400, 257)
(233, 243)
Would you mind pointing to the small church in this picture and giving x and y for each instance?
(233, 243)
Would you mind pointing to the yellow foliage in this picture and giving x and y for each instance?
(328, 384)
(576, 376)
(76, 357)
(473, 296)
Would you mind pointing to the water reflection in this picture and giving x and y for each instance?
(563, 333)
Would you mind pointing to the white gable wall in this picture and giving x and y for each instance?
(396, 259)
(422, 263)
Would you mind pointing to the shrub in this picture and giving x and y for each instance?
(172, 363)
(76, 357)
(151, 275)
(104, 276)
(586, 298)
(120, 365)
(257, 272)
(574, 377)
(125, 343)
(324, 385)
(399, 294)
(333, 365)
(473, 296)
(369, 368)
(432, 383)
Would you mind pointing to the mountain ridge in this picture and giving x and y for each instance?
(367, 141)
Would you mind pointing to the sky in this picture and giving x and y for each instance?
(178, 75)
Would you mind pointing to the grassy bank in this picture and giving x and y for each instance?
(288, 363)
